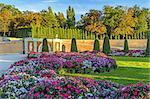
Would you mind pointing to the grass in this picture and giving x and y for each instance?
(130, 70)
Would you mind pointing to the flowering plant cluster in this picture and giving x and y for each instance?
(36, 78)
(136, 53)
(117, 52)
(133, 53)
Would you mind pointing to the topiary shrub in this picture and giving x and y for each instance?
(148, 47)
(106, 45)
(74, 45)
(63, 48)
(126, 48)
(96, 45)
(45, 46)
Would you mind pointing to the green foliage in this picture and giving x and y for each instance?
(96, 45)
(63, 48)
(49, 19)
(45, 46)
(74, 45)
(106, 45)
(61, 19)
(148, 46)
(70, 17)
(61, 71)
(126, 48)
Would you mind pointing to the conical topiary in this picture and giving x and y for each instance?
(96, 45)
(63, 48)
(45, 46)
(126, 48)
(148, 47)
(74, 45)
(106, 45)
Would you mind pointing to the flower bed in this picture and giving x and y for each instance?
(132, 53)
(37, 78)
(136, 53)
(76, 62)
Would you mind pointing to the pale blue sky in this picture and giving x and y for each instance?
(80, 6)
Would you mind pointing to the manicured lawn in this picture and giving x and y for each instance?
(130, 70)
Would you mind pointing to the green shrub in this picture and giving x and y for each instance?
(106, 45)
(126, 48)
(74, 45)
(96, 45)
(63, 48)
(45, 46)
(148, 47)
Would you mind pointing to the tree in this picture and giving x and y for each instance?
(111, 17)
(5, 19)
(49, 19)
(142, 23)
(92, 22)
(45, 46)
(96, 45)
(142, 19)
(106, 45)
(70, 17)
(61, 19)
(126, 24)
(74, 45)
(126, 48)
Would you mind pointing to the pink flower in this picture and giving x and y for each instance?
(42, 93)
(69, 92)
(125, 94)
(77, 91)
(65, 89)
(135, 93)
(88, 85)
(65, 95)
(47, 89)
(53, 83)
(47, 97)
(68, 86)
(36, 95)
(21, 96)
(148, 85)
(58, 87)
(136, 89)
(29, 94)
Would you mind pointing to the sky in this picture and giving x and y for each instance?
(80, 6)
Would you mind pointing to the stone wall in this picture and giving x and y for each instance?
(11, 47)
(84, 45)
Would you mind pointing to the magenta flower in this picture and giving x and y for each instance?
(36, 95)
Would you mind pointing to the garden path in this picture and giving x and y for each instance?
(7, 59)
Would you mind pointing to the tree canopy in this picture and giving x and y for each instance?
(111, 20)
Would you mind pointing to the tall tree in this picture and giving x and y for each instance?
(126, 24)
(5, 19)
(70, 17)
(92, 22)
(49, 19)
(61, 19)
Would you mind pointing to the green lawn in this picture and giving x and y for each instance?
(130, 70)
